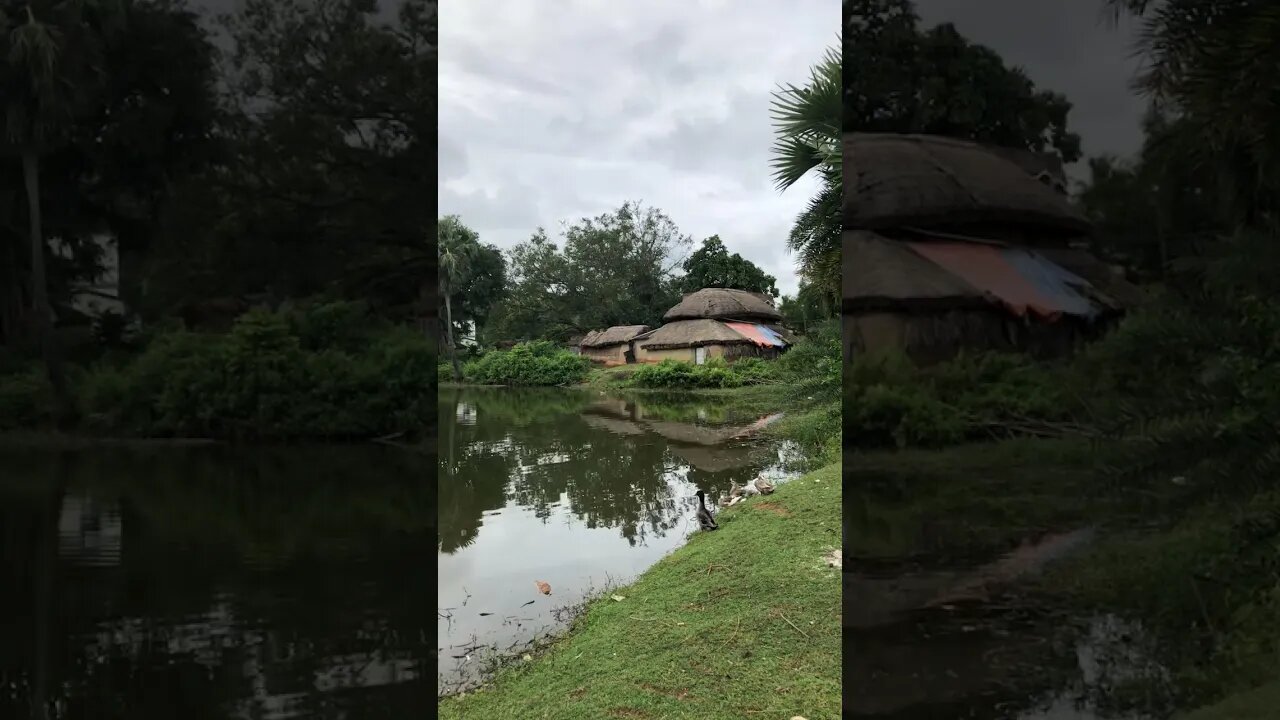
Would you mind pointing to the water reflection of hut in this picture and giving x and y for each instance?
(613, 425)
(89, 533)
(714, 458)
(691, 434)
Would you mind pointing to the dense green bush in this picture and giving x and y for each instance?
(275, 375)
(812, 367)
(25, 400)
(535, 363)
(670, 374)
(889, 401)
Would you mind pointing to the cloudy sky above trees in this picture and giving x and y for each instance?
(556, 110)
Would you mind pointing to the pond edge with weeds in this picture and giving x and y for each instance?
(735, 622)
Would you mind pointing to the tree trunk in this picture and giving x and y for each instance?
(49, 350)
(448, 334)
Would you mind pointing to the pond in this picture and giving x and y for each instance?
(943, 615)
(576, 489)
(214, 582)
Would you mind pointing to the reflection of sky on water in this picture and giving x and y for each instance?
(578, 495)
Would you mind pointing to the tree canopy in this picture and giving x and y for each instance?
(935, 81)
(617, 268)
(711, 265)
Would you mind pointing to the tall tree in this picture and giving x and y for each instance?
(1210, 65)
(809, 306)
(807, 129)
(330, 122)
(904, 79)
(617, 268)
(711, 265)
(456, 244)
(134, 137)
(52, 75)
(1161, 205)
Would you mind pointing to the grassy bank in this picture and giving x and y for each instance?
(741, 622)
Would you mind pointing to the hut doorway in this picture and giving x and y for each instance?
(629, 355)
(699, 355)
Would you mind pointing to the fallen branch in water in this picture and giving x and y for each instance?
(1032, 427)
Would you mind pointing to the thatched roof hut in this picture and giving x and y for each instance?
(616, 335)
(724, 303)
(898, 181)
(885, 273)
(692, 333)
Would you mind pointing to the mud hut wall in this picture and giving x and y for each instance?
(729, 353)
(608, 355)
(645, 355)
(929, 337)
(745, 350)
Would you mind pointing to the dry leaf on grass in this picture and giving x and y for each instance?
(543, 588)
(618, 598)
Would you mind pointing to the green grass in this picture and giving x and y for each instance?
(742, 622)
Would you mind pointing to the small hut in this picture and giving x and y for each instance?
(614, 346)
(952, 246)
(716, 322)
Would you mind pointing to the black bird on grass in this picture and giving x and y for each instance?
(704, 515)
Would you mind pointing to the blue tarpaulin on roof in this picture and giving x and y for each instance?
(758, 334)
(1022, 280)
(1052, 280)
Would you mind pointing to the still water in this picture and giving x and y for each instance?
(214, 583)
(943, 616)
(576, 489)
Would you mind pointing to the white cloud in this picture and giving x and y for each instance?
(560, 109)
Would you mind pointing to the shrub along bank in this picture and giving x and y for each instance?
(327, 371)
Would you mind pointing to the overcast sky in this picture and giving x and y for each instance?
(559, 109)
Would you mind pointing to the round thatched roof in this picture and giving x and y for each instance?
(692, 333)
(924, 180)
(616, 335)
(725, 304)
(878, 272)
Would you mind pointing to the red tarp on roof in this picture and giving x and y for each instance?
(986, 268)
(756, 334)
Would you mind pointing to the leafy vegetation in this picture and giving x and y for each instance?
(807, 129)
(711, 265)
(535, 363)
(935, 81)
(283, 168)
(327, 371)
(715, 373)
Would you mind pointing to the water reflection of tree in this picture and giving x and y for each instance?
(243, 577)
(543, 449)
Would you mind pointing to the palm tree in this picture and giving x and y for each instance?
(454, 243)
(41, 87)
(807, 126)
(1210, 65)
(34, 55)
